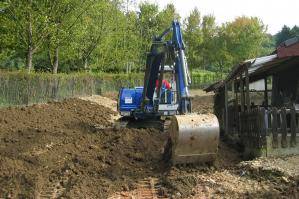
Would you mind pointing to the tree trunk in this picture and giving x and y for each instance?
(86, 67)
(29, 58)
(56, 61)
(30, 46)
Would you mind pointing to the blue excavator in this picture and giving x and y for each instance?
(193, 138)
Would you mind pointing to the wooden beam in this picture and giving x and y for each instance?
(266, 92)
(242, 93)
(226, 107)
(283, 128)
(293, 127)
(247, 88)
(236, 94)
(274, 127)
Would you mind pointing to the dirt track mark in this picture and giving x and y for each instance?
(149, 188)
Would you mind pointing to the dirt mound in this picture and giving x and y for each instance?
(104, 101)
(282, 166)
(70, 149)
(202, 104)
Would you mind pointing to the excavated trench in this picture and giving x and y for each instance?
(72, 149)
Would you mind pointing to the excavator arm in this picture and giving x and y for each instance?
(173, 51)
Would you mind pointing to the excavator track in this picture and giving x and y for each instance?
(149, 123)
(149, 188)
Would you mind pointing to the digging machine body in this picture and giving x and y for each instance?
(193, 138)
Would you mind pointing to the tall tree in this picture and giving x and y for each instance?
(193, 38)
(166, 16)
(209, 30)
(283, 35)
(38, 22)
(64, 19)
(29, 25)
(286, 33)
(244, 38)
(94, 26)
(147, 25)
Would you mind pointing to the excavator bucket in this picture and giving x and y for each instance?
(193, 139)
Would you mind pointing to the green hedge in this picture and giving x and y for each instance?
(203, 78)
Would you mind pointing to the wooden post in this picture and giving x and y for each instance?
(247, 88)
(293, 127)
(283, 127)
(263, 128)
(242, 93)
(236, 94)
(274, 127)
(266, 92)
(226, 107)
(236, 111)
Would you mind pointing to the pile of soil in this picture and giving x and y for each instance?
(202, 104)
(71, 149)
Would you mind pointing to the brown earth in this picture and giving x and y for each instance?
(71, 149)
(202, 104)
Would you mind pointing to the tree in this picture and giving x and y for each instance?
(286, 33)
(38, 22)
(166, 16)
(283, 35)
(27, 25)
(244, 38)
(295, 31)
(193, 38)
(64, 19)
(220, 57)
(147, 26)
(7, 40)
(106, 35)
(209, 30)
(94, 26)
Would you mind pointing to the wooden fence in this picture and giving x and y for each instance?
(24, 89)
(19, 88)
(258, 124)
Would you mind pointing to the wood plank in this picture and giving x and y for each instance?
(263, 130)
(283, 128)
(293, 127)
(274, 128)
(266, 92)
(242, 93)
(247, 88)
(226, 107)
(240, 123)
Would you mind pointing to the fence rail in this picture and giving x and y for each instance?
(282, 124)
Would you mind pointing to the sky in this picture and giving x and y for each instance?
(273, 13)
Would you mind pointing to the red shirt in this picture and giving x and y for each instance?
(164, 83)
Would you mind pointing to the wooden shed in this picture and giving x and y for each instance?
(258, 102)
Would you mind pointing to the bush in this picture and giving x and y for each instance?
(202, 78)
